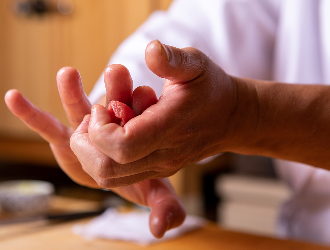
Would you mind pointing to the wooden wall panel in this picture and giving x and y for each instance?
(33, 49)
(163, 4)
(24, 56)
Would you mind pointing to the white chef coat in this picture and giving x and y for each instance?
(281, 40)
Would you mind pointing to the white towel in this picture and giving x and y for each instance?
(131, 226)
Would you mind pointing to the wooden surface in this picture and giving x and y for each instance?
(26, 151)
(42, 235)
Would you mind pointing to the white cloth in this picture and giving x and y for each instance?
(132, 226)
(281, 40)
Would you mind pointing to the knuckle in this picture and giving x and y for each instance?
(103, 167)
(95, 135)
(86, 170)
(196, 59)
(174, 164)
(169, 168)
(103, 183)
(74, 141)
(122, 155)
(114, 183)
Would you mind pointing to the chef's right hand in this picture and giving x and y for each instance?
(166, 209)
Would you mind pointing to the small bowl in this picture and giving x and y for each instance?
(25, 196)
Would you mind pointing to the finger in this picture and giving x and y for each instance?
(174, 64)
(143, 135)
(89, 156)
(72, 167)
(96, 139)
(167, 211)
(97, 164)
(52, 131)
(110, 183)
(101, 129)
(143, 97)
(110, 138)
(46, 125)
(155, 165)
(118, 84)
(165, 215)
(70, 164)
(74, 99)
(85, 158)
(100, 120)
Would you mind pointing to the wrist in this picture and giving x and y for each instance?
(244, 120)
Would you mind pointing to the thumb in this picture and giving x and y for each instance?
(174, 64)
(167, 211)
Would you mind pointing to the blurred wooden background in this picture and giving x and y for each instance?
(34, 47)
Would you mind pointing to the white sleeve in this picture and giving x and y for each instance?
(236, 34)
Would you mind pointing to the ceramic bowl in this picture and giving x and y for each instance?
(25, 196)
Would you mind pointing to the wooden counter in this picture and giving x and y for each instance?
(55, 237)
(45, 236)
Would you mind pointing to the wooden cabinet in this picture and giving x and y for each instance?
(34, 47)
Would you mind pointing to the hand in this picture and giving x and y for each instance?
(188, 123)
(167, 211)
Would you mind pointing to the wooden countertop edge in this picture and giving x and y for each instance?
(210, 237)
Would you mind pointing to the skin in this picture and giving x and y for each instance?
(204, 111)
(169, 141)
(166, 209)
(287, 121)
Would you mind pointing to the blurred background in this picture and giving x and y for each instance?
(38, 37)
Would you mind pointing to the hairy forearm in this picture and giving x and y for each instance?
(287, 121)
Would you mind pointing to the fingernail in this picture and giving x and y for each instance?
(165, 49)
